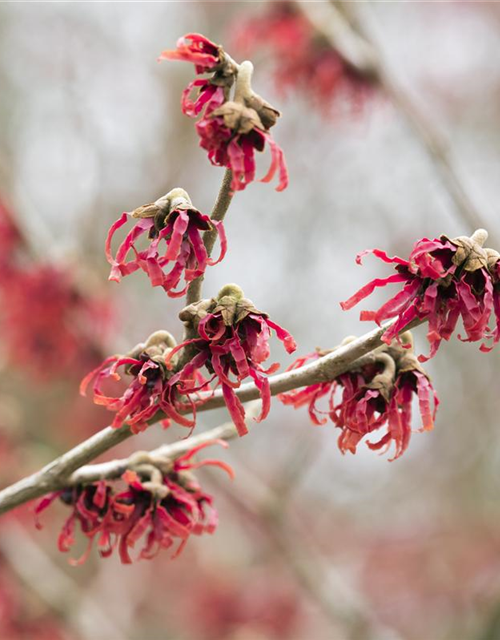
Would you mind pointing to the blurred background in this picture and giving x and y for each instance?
(311, 544)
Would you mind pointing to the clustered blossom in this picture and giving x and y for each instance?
(174, 221)
(375, 395)
(230, 130)
(152, 388)
(232, 343)
(443, 280)
(161, 504)
(304, 59)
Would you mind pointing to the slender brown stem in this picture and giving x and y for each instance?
(55, 475)
(219, 211)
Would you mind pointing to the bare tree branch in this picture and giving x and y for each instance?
(209, 237)
(55, 475)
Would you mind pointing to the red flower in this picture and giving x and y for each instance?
(160, 506)
(233, 342)
(207, 57)
(195, 48)
(377, 394)
(231, 134)
(443, 281)
(151, 389)
(173, 220)
(209, 96)
(231, 131)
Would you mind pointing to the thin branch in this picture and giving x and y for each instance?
(115, 468)
(209, 237)
(347, 37)
(55, 475)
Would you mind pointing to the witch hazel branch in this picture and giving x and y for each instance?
(365, 387)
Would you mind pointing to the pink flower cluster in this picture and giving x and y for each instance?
(375, 395)
(233, 343)
(230, 130)
(152, 388)
(174, 222)
(443, 280)
(166, 508)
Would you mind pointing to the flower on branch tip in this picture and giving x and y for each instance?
(162, 503)
(207, 57)
(195, 48)
(152, 388)
(443, 280)
(232, 343)
(231, 130)
(173, 221)
(377, 394)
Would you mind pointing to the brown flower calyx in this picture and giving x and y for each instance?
(404, 355)
(151, 478)
(470, 254)
(239, 118)
(156, 348)
(383, 382)
(225, 72)
(492, 258)
(265, 111)
(161, 209)
(247, 110)
(233, 306)
(193, 313)
(230, 303)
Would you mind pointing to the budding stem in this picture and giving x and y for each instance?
(479, 236)
(243, 87)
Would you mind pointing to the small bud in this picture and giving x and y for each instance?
(266, 112)
(161, 338)
(232, 290)
(239, 118)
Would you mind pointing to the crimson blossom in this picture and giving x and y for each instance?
(443, 280)
(164, 505)
(207, 57)
(173, 220)
(151, 389)
(232, 343)
(377, 394)
(230, 130)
